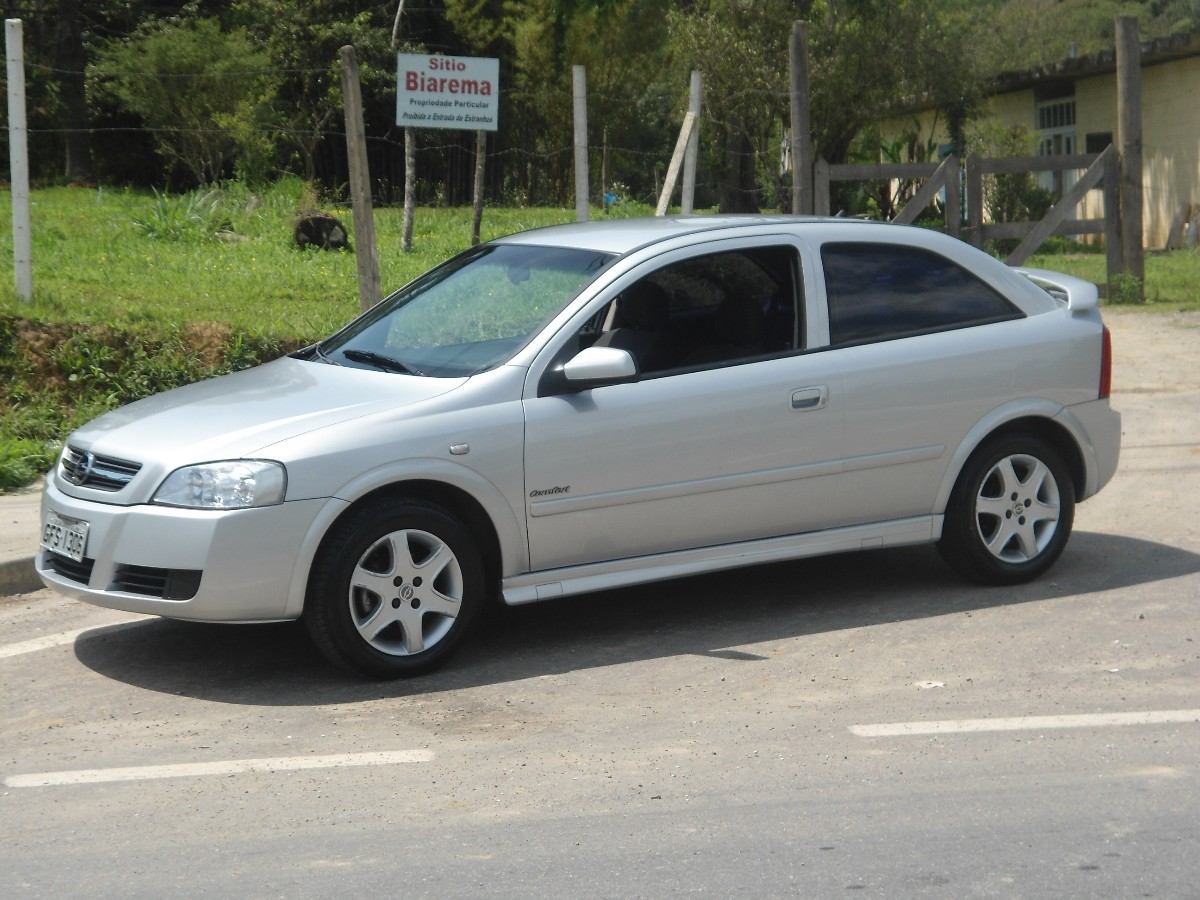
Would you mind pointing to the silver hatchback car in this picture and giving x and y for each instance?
(586, 406)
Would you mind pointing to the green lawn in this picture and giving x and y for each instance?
(92, 263)
(1172, 279)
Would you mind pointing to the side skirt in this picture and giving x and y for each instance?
(545, 585)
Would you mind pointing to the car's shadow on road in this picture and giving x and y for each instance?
(275, 665)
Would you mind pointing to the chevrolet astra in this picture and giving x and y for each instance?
(580, 407)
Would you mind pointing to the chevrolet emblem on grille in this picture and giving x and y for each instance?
(79, 473)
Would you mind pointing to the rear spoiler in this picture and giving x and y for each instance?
(1078, 294)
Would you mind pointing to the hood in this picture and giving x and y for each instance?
(235, 415)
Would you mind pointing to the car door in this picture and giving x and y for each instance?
(926, 350)
(712, 449)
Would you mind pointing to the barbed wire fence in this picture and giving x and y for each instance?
(532, 165)
(636, 170)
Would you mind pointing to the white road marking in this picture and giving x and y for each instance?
(58, 639)
(225, 767)
(1027, 723)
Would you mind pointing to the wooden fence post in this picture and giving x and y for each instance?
(801, 122)
(974, 200)
(668, 188)
(1129, 134)
(360, 182)
(953, 196)
(410, 187)
(1112, 217)
(480, 161)
(579, 93)
(820, 186)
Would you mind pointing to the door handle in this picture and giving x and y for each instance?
(810, 397)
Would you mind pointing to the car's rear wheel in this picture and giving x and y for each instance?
(1011, 511)
(394, 588)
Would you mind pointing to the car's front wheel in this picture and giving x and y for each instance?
(394, 588)
(1011, 511)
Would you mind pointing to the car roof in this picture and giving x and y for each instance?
(621, 236)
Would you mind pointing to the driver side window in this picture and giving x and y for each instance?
(705, 312)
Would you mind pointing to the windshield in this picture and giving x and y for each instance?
(469, 314)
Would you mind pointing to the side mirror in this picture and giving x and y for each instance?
(598, 366)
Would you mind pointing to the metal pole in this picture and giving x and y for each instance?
(801, 122)
(18, 153)
(1129, 136)
(360, 182)
(687, 200)
(579, 89)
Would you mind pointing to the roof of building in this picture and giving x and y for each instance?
(1049, 76)
(1159, 50)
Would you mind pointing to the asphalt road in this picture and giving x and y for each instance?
(709, 736)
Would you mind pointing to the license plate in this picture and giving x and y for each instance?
(65, 536)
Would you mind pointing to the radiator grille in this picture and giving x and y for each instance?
(104, 473)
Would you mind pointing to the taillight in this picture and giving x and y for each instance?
(1106, 365)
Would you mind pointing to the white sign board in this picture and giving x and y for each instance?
(448, 92)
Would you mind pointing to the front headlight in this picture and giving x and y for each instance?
(233, 484)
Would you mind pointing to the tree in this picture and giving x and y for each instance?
(620, 42)
(301, 40)
(741, 50)
(868, 56)
(205, 93)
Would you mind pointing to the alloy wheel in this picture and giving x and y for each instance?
(1017, 509)
(405, 592)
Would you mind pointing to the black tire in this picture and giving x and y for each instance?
(424, 627)
(997, 528)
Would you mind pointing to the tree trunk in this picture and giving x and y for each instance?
(71, 57)
(738, 183)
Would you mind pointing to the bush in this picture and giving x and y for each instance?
(196, 216)
(54, 378)
(1009, 198)
(205, 92)
(1126, 287)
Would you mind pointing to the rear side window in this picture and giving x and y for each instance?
(879, 292)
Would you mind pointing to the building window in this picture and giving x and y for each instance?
(1056, 127)
(1056, 137)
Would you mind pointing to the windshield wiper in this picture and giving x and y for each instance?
(381, 361)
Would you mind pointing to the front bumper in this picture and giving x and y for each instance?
(247, 557)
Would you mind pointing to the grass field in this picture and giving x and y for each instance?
(116, 256)
(94, 263)
(1172, 279)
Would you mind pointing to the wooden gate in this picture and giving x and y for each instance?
(938, 176)
(1102, 169)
